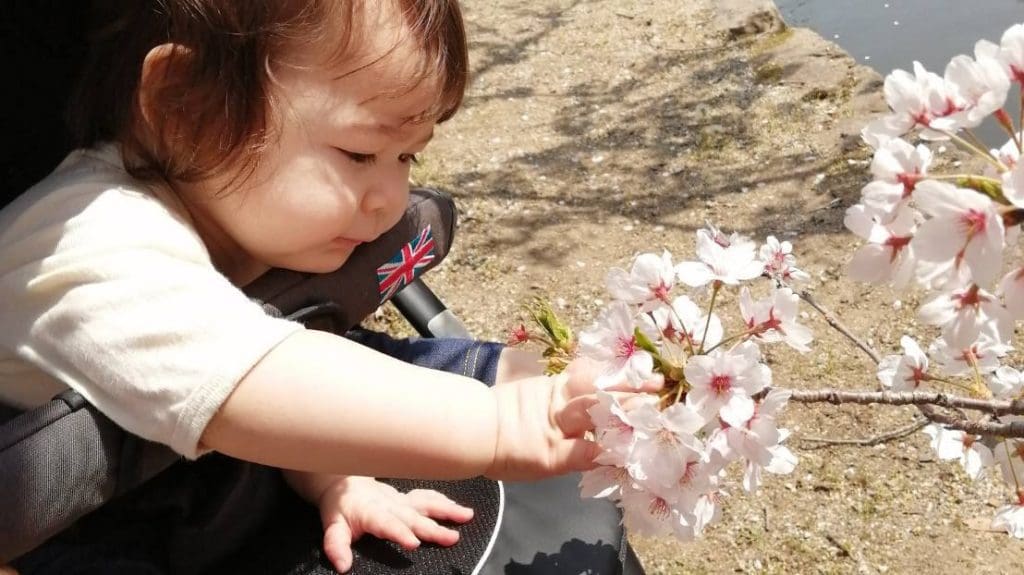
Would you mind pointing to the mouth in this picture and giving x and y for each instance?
(346, 242)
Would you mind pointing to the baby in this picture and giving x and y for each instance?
(218, 140)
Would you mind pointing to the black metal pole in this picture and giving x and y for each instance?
(427, 314)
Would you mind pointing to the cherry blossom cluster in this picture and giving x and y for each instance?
(952, 234)
(665, 458)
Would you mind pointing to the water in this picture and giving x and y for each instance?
(891, 34)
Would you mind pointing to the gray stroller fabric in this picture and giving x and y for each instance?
(61, 461)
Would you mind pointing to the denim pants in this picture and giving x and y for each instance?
(195, 516)
(476, 359)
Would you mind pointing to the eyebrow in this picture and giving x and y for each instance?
(388, 129)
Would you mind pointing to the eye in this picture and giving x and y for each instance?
(408, 159)
(359, 158)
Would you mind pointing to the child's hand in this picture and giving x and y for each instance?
(543, 421)
(542, 426)
(351, 507)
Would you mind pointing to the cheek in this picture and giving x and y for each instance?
(316, 212)
(312, 191)
(306, 196)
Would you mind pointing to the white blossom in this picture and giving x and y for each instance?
(973, 455)
(1008, 154)
(1006, 383)
(922, 100)
(645, 513)
(888, 255)
(728, 261)
(966, 313)
(964, 229)
(1011, 52)
(896, 166)
(957, 360)
(1010, 518)
(783, 462)
(1012, 290)
(665, 446)
(904, 372)
(647, 284)
(774, 318)
(1013, 184)
(719, 376)
(981, 82)
(612, 342)
(604, 482)
(685, 321)
(613, 429)
(779, 261)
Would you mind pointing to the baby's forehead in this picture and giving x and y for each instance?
(404, 105)
(385, 73)
(383, 65)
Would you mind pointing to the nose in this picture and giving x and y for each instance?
(386, 194)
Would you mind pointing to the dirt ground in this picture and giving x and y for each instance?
(597, 129)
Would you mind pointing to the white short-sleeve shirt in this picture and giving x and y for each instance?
(106, 288)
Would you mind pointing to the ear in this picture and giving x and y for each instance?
(160, 70)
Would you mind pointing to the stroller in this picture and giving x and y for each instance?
(61, 461)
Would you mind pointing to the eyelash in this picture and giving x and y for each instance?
(370, 159)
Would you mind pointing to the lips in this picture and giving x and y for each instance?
(346, 242)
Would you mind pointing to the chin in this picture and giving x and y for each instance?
(320, 265)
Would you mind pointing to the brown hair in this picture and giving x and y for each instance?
(216, 104)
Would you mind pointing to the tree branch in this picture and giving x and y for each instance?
(1015, 429)
(926, 402)
(1009, 429)
(995, 407)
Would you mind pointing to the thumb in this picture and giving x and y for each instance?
(338, 544)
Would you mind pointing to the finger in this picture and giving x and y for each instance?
(573, 420)
(438, 506)
(576, 455)
(428, 530)
(338, 545)
(631, 401)
(580, 375)
(393, 527)
(651, 385)
(583, 372)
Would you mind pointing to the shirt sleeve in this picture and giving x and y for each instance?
(121, 302)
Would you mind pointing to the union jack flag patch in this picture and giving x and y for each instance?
(402, 269)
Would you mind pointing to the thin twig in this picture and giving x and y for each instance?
(879, 439)
(844, 549)
(838, 326)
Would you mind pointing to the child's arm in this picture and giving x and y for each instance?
(351, 506)
(318, 402)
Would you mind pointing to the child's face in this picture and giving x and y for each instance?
(336, 174)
